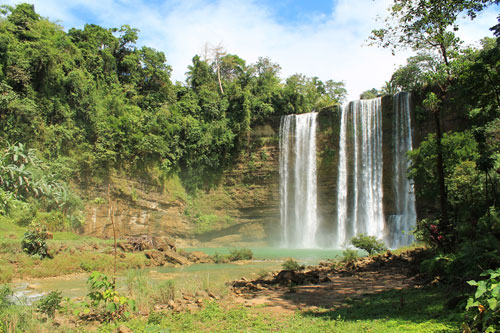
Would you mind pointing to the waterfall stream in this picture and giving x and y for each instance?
(298, 188)
(360, 190)
(359, 195)
(403, 220)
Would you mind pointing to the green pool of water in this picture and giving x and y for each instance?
(190, 278)
(305, 256)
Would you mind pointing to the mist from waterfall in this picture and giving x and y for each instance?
(298, 187)
(404, 218)
(359, 185)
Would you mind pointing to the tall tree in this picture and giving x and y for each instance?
(430, 25)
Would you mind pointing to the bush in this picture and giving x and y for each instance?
(164, 292)
(349, 255)
(220, 258)
(486, 304)
(292, 265)
(5, 292)
(34, 241)
(50, 304)
(105, 298)
(240, 254)
(368, 243)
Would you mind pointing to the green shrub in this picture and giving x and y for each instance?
(53, 221)
(5, 292)
(484, 305)
(34, 241)
(240, 254)
(106, 299)
(163, 292)
(155, 317)
(292, 265)
(220, 258)
(50, 304)
(368, 243)
(349, 255)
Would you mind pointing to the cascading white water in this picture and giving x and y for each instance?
(359, 193)
(404, 218)
(298, 188)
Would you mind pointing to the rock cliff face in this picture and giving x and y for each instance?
(244, 207)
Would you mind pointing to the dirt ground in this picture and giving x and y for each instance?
(368, 276)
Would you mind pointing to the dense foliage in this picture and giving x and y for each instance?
(93, 99)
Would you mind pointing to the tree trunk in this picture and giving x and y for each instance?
(440, 170)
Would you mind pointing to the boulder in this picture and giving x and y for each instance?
(199, 257)
(175, 258)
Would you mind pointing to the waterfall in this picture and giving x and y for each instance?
(298, 188)
(403, 220)
(359, 192)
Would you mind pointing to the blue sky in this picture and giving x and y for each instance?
(323, 38)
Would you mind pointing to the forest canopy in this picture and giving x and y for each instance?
(93, 99)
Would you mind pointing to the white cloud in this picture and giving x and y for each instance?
(329, 46)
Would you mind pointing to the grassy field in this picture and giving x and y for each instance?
(71, 252)
(422, 310)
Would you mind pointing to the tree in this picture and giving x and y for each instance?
(425, 25)
(368, 243)
(369, 94)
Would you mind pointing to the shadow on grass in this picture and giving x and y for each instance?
(415, 305)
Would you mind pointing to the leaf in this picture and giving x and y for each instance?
(493, 303)
(471, 303)
(111, 307)
(481, 289)
(496, 291)
(472, 283)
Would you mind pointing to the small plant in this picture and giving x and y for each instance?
(34, 241)
(264, 155)
(370, 244)
(49, 304)
(240, 254)
(103, 293)
(164, 292)
(155, 317)
(5, 292)
(292, 265)
(487, 302)
(220, 258)
(263, 273)
(349, 255)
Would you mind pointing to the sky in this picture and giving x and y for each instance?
(327, 39)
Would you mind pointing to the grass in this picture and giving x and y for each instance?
(75, 254)
(407, 310)
(422, 311)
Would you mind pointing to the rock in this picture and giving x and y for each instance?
(285, 277)
(123, 329)
(146, 242)
(199, 257)
(325, 279)
(201, 293)
(163, 244)
(126, 247)
(175, 258)
(156, 256)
